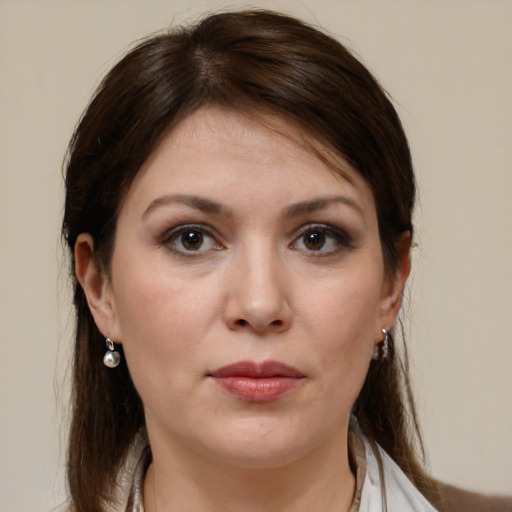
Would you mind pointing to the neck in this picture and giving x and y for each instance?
(180, 482)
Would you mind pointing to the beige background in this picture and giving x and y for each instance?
(448, 65)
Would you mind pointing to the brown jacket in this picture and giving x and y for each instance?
(454, 499)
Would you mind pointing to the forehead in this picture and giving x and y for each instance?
(263, 127)
(218, 150)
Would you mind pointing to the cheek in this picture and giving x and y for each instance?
(162, 319)
(344, 308)
(154, 301)
(341, 319)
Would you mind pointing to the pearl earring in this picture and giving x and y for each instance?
(112, 357)
(381, 350)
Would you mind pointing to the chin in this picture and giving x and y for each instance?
(264, 445)
(262, 457)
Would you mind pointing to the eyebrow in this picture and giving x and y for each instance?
(212, 207)
(199, 203)
(320, 204)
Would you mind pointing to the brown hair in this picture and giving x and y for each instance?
(238, 60)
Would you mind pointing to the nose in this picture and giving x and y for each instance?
(258, 295)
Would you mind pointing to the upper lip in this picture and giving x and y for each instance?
(265, 369)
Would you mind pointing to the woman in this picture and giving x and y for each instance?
(238, 210)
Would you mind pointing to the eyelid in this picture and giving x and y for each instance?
(175, 232)
(339, 234)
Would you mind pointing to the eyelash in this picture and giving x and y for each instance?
(340, 238)
(328, 235)
(174, 236)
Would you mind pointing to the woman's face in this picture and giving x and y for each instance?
(248, 289)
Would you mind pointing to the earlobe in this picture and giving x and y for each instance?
(96, 285)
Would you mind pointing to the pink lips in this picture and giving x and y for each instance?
(257, 382)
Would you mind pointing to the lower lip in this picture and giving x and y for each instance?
(259, 390)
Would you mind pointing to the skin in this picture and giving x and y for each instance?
(274, 274)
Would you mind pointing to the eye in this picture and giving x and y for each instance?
(314, 240)
(321, 239)
(191, 239)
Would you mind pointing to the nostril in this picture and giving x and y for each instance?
(242, 323)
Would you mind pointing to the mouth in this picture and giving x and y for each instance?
(257, 382)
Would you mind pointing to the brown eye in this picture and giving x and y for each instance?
(314, 241)
(192, 240)
(187, 240)
(323, 239)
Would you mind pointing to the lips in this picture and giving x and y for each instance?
(257, 382)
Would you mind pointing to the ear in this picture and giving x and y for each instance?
(96, 285)
(393, 287)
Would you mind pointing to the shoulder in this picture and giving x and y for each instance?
(400, 493)
(454, 499)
